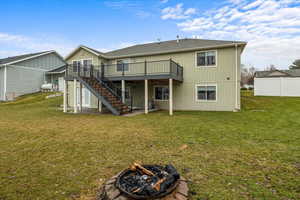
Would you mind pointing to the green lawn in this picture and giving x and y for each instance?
(252, 154)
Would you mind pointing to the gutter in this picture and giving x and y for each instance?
(56, 72)
(236, 77)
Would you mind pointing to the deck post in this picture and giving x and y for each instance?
(80, 95)
(75, 95)
(123, 91)
(171, 96)
(65, 96)
(146, 96)
(99, 106)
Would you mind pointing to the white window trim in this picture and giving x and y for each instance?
(124, 63)
(158, 86)
(207, 66)
(206, 84)
(81, 60)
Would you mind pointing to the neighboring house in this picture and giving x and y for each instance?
(185, 74)
(277, 83)
(25, 74)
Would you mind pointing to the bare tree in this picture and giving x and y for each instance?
(295, 65)
(247, 75)
(271, 68)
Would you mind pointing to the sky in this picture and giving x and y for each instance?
(271, 27)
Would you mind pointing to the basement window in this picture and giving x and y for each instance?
(161, 93)
(206, 92)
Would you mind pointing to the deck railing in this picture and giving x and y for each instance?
(166, 68)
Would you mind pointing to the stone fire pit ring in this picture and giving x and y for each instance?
(109, 191)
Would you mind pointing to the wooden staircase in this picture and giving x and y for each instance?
(105, 94)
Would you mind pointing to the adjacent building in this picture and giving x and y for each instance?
(277, 83)
(25, 74)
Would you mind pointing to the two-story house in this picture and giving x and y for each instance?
(183, 74)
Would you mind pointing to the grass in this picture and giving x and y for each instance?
(252, 154)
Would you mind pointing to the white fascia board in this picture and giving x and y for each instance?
(82, 47)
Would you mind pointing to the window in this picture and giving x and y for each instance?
(161, 93)
(121, 64)
(207, 58)
(76, 64)
(206, 92)
(86, 64)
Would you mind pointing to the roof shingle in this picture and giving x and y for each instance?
(168, 46)
(20, 57)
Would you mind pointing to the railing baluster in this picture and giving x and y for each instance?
(145, 68)
(78, 69)
(91, 71)
(170, 66)
(102, 70)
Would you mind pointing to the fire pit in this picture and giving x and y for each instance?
(145, 182)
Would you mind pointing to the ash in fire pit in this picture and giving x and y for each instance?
(148, 181)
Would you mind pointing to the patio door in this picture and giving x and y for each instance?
(86, 97)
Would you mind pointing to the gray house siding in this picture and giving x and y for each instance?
(46, 62)
(21, 80)
(27, 76)
(2, 84)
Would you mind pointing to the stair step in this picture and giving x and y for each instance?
(108, 95)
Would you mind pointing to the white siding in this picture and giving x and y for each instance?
(290, 87)
(280, 86)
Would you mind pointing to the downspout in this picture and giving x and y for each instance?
(5, 82)
(236, 78)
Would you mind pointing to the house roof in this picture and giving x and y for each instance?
(93, 51)
(170, 46)
(20, 58)
(278, 73)
(58, 70)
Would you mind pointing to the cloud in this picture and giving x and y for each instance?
(4, 37)
(119, 4)
(13, 44)
(177, 12)
(164, 1)
(271, 27)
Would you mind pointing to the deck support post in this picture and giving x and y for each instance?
(65, 96)
(75, 95)
(146, 96)
(80, 95)
(123, 91)
(171, 96)
(99, 106)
